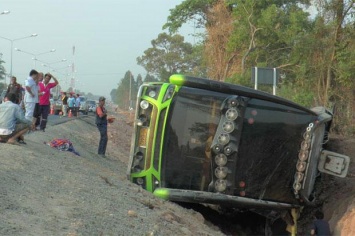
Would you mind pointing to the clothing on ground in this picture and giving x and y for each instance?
(62, 145)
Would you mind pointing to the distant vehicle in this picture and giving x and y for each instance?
(58, 105)
(84, 107)
(91, 105)
(204, 141)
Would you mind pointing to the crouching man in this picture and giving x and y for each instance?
(13, 124)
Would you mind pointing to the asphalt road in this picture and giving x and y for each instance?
(56, 119)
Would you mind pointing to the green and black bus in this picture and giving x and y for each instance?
(204, 141)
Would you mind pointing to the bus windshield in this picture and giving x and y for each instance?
(192, 121)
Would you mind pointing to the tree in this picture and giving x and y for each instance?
(127, 90)
(335, 61)
(187, 11)
(241, 34)
(139, 80)
(168, 55)
(217, 55)
(113, 95)
(150, 78)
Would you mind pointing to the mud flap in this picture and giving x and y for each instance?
(333, 163)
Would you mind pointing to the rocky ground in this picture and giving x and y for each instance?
(44, 191)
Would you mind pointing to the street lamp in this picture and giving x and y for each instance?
(4, 12)
(35, 55)
(56, 69)
(12, 44)
(49, 65)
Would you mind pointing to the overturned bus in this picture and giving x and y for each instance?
(203, 141)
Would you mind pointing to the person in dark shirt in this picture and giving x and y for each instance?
(65, 103)
(320, 226)
(101, 123)
(15, 88)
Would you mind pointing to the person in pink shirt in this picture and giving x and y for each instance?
(44, 96)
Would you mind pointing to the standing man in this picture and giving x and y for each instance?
(71, 103)
(36, 115)
(65, 103)
(15, 88)
(77, 104)
(31, 94)
(13, 124)
(44, 103)
(101, 123)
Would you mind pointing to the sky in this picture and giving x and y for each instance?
(108, 36)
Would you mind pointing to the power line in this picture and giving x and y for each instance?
(101, 74)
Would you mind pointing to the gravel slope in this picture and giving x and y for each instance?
(44, 191)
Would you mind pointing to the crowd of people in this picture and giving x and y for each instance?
(71, 104)
(27, 109)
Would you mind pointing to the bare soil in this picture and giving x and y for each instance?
(44, 191)
(339, 193)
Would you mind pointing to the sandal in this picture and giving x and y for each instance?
(20, 141)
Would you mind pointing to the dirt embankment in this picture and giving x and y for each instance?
(44, 191)
(339, 193)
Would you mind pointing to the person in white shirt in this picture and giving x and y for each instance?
(13, 124)
(31, 94)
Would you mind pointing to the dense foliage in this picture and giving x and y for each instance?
(310, 42)
(169, 55)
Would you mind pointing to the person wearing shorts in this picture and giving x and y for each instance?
(13, 124)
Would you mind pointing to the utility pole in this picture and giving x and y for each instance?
(130, 90)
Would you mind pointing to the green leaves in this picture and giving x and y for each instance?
(168, 55)
(186, 11)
